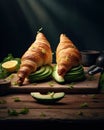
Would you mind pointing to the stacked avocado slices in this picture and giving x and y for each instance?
(47, 72)
(75, 74)
(42, 74)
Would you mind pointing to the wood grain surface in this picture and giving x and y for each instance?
(89, 85)
(71, 107)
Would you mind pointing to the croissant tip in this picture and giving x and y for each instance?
(39, 35)
(62, 34)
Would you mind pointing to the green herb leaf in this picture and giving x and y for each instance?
(83, 105)
(17, 99)
(51, 83)
(93, 96)
(24, 111)
(15, 83)
(43, 114)
(80, 113)
(12, 112)
(3, 101)
(40, 29)
(8, 57)
(70, 86)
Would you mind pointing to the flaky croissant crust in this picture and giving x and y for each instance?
(38, 54)
(67, 55)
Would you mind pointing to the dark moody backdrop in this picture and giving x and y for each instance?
(81, 20)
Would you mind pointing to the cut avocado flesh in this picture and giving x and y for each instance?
(74, 78)
(39, 71)
(76, 68)
(75, 74)
(50, 97)
(57, 77)
(46, 70)
(40, 75)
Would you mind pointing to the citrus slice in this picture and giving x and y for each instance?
(10, 65)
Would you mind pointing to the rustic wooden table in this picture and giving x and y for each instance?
(74, 110)
(82, 106)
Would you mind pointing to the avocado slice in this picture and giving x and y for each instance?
(44, 73)
(76, 68)
(56, 76)
(39, 71)
(50, 97)
(75, 78)
(41, 76)
(75, 74)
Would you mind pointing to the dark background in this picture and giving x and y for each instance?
(81, 20)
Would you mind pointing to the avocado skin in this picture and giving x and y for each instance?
(43, 74)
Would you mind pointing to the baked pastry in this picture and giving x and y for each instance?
(37, 55)
(67, 55)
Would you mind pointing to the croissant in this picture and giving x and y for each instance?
(67, 55)
(37, 55)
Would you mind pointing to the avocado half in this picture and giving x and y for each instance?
(48, 98)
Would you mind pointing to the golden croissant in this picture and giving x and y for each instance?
(67, 55)
(37, 55)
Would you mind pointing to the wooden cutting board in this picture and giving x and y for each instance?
(89, 85)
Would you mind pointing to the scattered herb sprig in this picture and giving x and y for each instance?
(3, 101)
(24, 111)
(13, 112)
(42, 114)
(83, 105)
(17, 99)
(71, 85)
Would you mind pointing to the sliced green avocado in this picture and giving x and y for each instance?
(75, 74)
(76, 68)
(46, 72)
(43, 75)
(56, 76)
(50, 97)
(75, 78)
(41, 70)
(78, 72)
